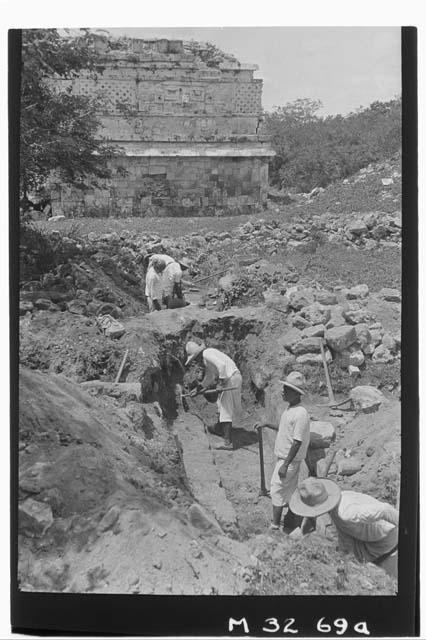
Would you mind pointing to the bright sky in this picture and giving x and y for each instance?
(344, 67)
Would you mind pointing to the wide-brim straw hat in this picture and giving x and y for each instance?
(296, 381)
(184, 262)
(192, 350)
(314, 497)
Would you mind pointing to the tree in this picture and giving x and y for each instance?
(312, 150)
(58, 130)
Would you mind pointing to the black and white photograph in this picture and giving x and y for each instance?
(209, 293)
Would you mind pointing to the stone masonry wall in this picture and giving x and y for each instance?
(175, 187)
(188, 130)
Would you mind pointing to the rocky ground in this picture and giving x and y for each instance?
(120, 488)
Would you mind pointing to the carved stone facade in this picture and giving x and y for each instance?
(189, 133)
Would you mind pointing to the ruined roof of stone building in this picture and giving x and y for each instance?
(204, 53)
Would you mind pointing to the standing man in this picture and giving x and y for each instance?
(365, 526)
(154, 283)
(222, 369)
(291, 445)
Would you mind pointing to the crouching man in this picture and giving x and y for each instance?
(291, 445)
(365, 526)
(219, 367)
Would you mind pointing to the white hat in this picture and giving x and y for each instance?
(296, 381)
(184, 262)
(192, 350)
(314, 497)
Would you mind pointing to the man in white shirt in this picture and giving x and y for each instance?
(154, 283)
(365, 526)
(222, 369)
(291, 445)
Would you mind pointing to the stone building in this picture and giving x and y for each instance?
(189, 134)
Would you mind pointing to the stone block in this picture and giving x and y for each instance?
(34, 517)
(340, 338)
(366, 398)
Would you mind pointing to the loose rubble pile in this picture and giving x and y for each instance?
(352, 334)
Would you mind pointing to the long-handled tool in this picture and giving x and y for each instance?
(207, 391)
(263, 490)
(327, 375)
(123, 362)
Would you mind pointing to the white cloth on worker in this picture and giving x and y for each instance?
(365, 526)
(219, 365)
(172, 274)
(153, 287)
(229, 402)
(283, 488)
(294, 425)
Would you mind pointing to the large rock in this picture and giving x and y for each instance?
(314, 358)
(111, 327)
(290, 337)
(366, 398)
(33, 479)
(340, 338)
(379, 232)
(25, 306)
(348, 466)
(354, 371)
(43, 304)
(34, 517)
(275, 300)
(382, 355)
(316, 313)
(110, 519)
(325, 297)
(307, 345)
(336, 318)
(322, 434)
(356, 228)
(357, 315)
(78, 307)
(390, 295)
(389, 342)
(360, 291)
(317, 331)
(201, 520)
(363, 335)
(299, 322)
(300, 298)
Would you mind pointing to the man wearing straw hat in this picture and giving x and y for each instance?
(365, 526)
(291, 445)
(219, 366)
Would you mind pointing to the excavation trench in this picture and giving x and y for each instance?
(225, 484)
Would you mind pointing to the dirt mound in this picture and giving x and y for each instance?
(104, 505)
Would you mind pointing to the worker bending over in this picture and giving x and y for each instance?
(220, 368)
(365, 526)
(172, 281)
(291, 445)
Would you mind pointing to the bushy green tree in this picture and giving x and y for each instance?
(313, 150)
(58, 130)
